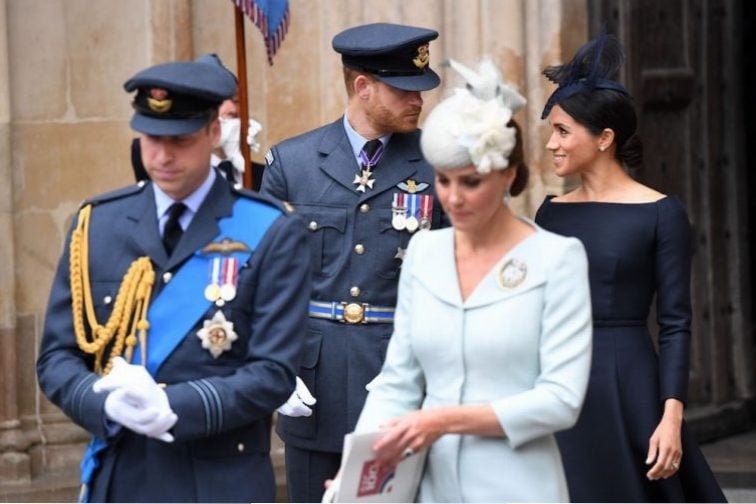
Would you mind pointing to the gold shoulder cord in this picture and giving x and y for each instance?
(129, 315)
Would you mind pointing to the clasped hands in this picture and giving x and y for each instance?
(136, 402)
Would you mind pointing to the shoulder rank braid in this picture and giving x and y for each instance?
(129, 315)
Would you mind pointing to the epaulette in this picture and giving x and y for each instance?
(117, 194)
(284, 206)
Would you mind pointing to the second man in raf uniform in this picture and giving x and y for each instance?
(363, 188)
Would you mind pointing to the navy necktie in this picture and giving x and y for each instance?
(371, 153)
(172, 232)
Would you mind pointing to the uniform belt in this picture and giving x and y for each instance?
(352, 313)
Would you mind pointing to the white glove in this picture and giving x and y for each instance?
(136, 401)
(123, 407)
(297, 405)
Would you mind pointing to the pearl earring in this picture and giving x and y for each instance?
(602, 148)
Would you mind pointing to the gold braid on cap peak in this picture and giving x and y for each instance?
(129, 315)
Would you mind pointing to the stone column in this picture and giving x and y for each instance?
(64, 136)
(14, 461)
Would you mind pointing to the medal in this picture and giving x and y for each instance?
(227, 292)
(426, 203)
(217, 334)
(223, 279)
(398, 220)
(363, 180)
(228, 288)
(412, 224)
(212, 291)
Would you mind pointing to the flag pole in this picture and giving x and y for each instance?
(241, 71)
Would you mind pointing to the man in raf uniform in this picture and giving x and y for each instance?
(363, 188)
(188, 295)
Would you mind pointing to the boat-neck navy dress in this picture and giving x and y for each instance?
(634, 251)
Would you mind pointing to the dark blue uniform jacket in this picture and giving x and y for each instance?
(356, 257)
(224, 404)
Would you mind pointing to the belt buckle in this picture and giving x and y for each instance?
(354, 313)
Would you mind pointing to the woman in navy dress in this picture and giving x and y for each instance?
(630, 442)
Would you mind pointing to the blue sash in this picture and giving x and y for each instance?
(181, 303)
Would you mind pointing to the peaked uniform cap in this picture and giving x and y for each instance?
(398, 55)
(178, 98)
(214, 59)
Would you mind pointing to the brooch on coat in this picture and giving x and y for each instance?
(217, 334)
(512, 274)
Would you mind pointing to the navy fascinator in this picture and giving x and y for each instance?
(594, 66)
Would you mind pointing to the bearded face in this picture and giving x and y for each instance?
(392, 110)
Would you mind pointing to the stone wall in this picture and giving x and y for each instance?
(64, 135)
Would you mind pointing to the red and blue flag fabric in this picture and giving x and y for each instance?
(271, 17)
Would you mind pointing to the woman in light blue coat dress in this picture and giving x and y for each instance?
(490, 353)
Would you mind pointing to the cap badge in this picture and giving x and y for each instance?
(217, 334)
(158, 100)
(512, 274)
(423, 55)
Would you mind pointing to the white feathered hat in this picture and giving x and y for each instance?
(470, 126)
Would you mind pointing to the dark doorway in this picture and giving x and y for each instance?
(748, 64)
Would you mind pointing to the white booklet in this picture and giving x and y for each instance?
(362, 481)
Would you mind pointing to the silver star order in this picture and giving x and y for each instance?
(217, 334)
(400, 253)
(363, 179)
